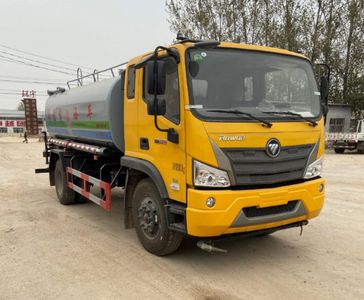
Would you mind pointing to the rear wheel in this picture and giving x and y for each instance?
(339, 151)
(65, 195)
(150, 220)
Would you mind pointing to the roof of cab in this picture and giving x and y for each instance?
(228, 45)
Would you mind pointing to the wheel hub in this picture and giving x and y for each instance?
(148, 218)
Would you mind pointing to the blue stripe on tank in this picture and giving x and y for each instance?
(91, 134)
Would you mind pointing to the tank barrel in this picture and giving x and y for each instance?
(89, 114)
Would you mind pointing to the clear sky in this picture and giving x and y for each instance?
(92, 33)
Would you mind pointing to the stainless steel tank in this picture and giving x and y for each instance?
(92, 114)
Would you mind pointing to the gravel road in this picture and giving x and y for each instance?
(50, 251)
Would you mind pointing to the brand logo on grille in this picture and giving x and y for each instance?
(273, 148)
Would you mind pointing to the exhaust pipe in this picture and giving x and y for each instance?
(209, 248)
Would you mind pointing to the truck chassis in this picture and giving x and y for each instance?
(82, 172)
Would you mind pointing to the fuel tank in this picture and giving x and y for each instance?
(92, 114)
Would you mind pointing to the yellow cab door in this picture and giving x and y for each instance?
(168, 157)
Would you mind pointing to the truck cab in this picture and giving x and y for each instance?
(250, 136)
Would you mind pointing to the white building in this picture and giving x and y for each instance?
(13, 121)
(338, 118)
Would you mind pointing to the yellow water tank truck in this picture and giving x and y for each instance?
(209, 139)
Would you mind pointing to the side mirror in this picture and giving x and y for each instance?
(325, 109)
(324, 89)
(155, 72)
(324, 95)
(156, 107)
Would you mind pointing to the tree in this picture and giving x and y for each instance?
(329, 31)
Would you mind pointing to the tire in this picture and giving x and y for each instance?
(150, 220)
(65, 195)
(339, 151)
(80, 199)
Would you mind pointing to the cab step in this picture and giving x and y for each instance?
(176, 215)
(180, 227)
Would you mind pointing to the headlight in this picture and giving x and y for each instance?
(204, 175)
(314, 169)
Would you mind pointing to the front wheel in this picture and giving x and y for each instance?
(150, 220)
(339, 151)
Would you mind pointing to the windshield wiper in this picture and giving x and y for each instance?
(238, 112)
(290, 113)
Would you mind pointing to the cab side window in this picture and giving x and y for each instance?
(172, 91)
(131, 83)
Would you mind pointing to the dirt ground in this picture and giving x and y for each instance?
(50, 251)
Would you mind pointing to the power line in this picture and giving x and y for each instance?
(31, 78)
(44, 57)
(37, 61)
(18, 91)
(11, 60)
(11, 90)
(35, 82)
(36, 66)
(7, 60)
(18, 94)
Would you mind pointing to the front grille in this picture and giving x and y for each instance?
(252, 166)
(253, 212)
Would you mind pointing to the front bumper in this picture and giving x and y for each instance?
(345, 145)
(227, 215)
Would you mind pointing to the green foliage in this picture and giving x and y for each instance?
(330, 31)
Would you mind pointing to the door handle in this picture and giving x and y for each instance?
(144, 143)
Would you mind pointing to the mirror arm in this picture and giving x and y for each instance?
(172, 135)
(170, 52)
(157, 126)
(156, 116)
(328, 71)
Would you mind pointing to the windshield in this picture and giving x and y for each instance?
(262, 84)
